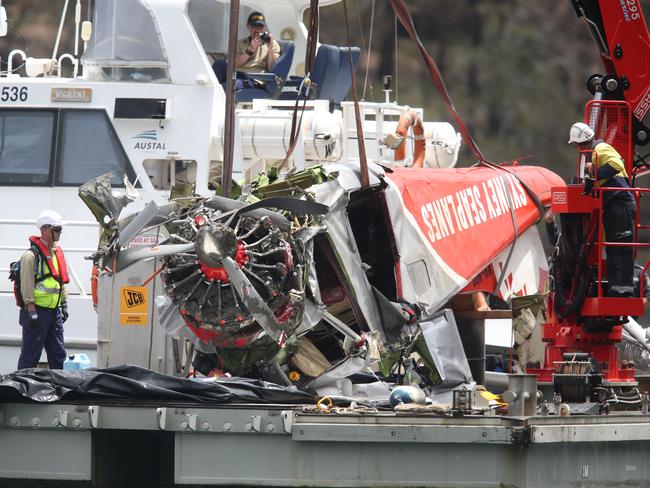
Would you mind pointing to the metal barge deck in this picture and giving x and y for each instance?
(122, 445)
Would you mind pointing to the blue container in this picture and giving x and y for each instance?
(76, 362)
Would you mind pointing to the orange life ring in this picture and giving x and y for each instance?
(406, 120)
(94, 275)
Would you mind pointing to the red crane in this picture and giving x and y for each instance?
(583, 324)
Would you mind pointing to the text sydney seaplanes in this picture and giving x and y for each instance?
(471, 206)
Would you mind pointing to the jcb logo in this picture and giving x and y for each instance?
(133, 298)
(133, 305)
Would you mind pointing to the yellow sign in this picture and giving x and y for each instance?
(133, 305)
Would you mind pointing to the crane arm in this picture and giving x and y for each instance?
(621, 35)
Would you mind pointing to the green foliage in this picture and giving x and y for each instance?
(267, 184)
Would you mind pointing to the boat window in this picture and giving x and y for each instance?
(210, 20)
(168, 174)
(124, 38)
(137, 75)
(25, 146)
(420, 276)
(89, 148)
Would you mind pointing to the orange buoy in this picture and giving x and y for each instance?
(406, 120)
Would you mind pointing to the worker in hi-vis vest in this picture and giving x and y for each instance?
(43, 274)
(619, 206)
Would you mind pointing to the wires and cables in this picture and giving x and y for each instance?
(369, 51)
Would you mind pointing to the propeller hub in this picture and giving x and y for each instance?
(215, 242)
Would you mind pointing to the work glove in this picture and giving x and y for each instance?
(589, 186)
(33, 318)
(64, 312)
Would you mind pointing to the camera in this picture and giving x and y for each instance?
(265, 37)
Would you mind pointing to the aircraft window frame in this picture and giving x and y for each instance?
(58, 166)
(55, 162)
(53, 144)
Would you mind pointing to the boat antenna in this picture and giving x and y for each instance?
(372, 28)
(363, 162)
(229, 123)
(77, 26)
(60, 31)
(396, 58)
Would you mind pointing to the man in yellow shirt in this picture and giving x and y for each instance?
(256, 53)
(619, 206)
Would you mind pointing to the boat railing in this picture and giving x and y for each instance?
(73, 254)
(374, 116)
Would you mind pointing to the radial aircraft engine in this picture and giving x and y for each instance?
(314, 276)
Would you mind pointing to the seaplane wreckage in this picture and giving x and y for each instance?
(342, 268)
(322, 285)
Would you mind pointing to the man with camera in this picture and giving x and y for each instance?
(256, 53)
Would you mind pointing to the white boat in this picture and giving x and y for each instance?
(141, 102)
(145, 104)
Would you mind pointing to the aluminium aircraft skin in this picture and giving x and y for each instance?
(331, 277)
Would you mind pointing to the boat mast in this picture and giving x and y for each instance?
(55, 52)
(228, 131)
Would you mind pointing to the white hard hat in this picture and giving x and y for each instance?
(580, 132)
(49, 217)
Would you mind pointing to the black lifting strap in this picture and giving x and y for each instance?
(404, 16)
(310, 56)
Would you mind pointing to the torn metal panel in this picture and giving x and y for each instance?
(313, 312)
(443, 341)
(526, 272)
(343, 369)
(98, 195)
(343, 245)
(349, 175)
(106, 206)
(426, 280)
(140, 221)
(392, 316)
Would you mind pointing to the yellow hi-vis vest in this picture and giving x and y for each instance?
(605, 154)
(47, 293)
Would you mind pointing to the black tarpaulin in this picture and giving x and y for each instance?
(129, 383)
